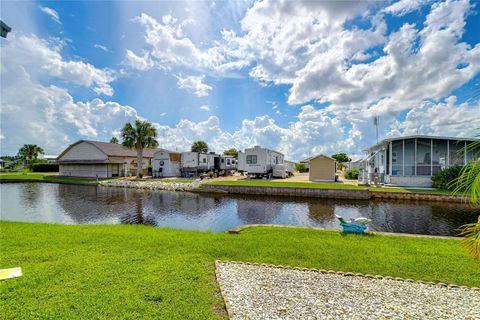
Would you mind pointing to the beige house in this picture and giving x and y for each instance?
(102, 159)
(322, 168)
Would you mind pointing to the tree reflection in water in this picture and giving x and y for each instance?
(89, 204)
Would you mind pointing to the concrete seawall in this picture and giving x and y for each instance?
(292, 192)
(364, 194)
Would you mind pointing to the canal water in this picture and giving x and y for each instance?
(75, 204)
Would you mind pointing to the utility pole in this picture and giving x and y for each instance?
(376, 120)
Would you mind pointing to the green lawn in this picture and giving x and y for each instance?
(45, 176)
(406, 190)
(325, 185)
(266, 183)
(24, 175)
(139, 272)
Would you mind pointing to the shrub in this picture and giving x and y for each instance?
(301, 167)
(446, 178)
(45, 167)
(211, 174)
(351, 174)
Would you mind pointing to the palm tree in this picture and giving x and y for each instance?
(30, 152)
(469, 182)
(199, 146)
(139, 137)
(114, 140)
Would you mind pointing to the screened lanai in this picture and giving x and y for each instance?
(417, 156)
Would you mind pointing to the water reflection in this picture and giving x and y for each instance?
(88, 204)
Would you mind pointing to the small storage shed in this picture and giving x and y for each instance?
(322, 168)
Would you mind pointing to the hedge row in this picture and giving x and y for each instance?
(45, 167)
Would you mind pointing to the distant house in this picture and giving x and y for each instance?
(3, 163)
(48, 157)
(357, 164)
(94, 158)
(322, 168)
(306, 162)
(412, 160)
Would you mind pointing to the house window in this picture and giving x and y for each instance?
(251, 159)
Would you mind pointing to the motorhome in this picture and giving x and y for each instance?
(262, 162)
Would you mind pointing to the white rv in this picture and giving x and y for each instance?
(261, 162)
(227, 163)
(205, 162)
(197, 162)
(166, 163)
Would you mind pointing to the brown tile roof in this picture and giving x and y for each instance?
(114, 149)
(117, 150)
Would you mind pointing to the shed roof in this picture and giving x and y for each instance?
(113, 149)
(317, 156)
(387, 140)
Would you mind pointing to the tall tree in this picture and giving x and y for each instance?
(140, 136)
(341, 157)
(30, 152)
(199, 146)
(231, 152)
(114, 140)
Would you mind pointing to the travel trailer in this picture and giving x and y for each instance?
(262, 162)
(195, 162)
(166, 164)
(227, 164)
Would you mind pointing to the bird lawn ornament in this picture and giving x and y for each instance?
(358, 225)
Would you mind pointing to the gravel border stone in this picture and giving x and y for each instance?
(153, 185)
(259, 291)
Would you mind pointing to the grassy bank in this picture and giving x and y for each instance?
(119, 271)
(326, 185)
(291, 184)
(44, 176)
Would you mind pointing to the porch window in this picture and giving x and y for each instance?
(397, 158)
(456, 157)
(424, 157)
(409, 157)
(439, 156)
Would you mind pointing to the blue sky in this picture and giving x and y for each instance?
(300, 77)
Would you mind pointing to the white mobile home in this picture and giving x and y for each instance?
(260, 161)
(166, 163)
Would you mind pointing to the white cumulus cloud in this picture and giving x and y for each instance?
(194, 85)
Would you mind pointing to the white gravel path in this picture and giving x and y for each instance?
(268, 292)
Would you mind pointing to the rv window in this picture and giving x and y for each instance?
(204, 160)
(228, 161)
(223, 160)
(252, 159)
